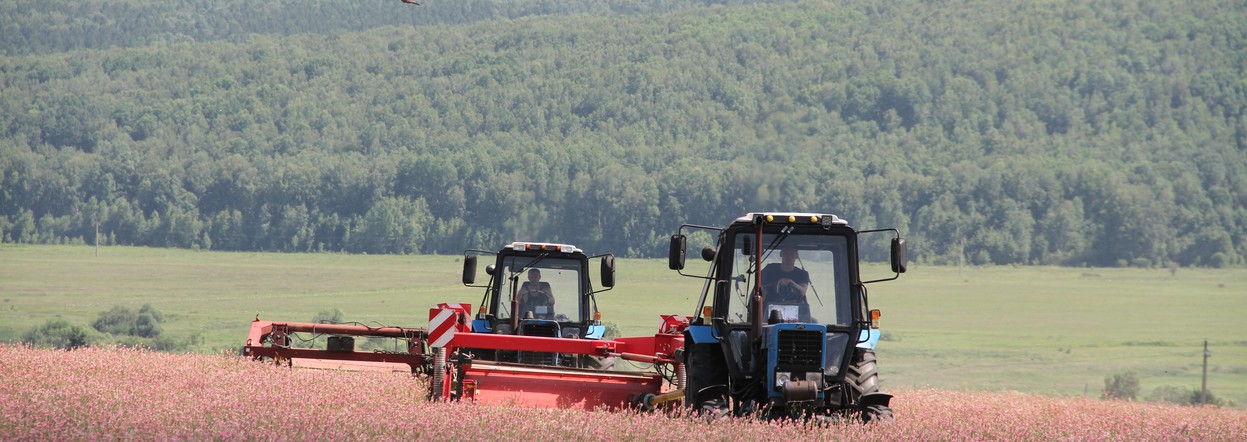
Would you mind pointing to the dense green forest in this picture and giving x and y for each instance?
(31, 26)
(1101, 133)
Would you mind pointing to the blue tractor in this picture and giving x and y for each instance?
(540, 289)
(783, 327)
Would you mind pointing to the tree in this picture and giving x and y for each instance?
(123, 321)
(328, 317)
(393, 225)
(1110, 136)
(57, 333)
(1121, 386)
(119, 320)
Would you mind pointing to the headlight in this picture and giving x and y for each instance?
(781, 377)
(815, 377)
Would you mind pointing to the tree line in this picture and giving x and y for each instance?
(47, 26)
(1071, 133)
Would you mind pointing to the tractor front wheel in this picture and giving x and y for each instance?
(863, 379)
(877, 413)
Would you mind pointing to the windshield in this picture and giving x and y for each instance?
(805, 278)
(547, 287)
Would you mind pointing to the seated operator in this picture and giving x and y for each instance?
(536, 296)
(785, 283)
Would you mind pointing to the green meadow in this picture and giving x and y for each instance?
(1050, 330)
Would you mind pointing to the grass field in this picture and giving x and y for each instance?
(1055, 331)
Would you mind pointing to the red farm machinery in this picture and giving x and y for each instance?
(536, 340)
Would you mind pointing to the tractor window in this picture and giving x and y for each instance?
(548, 287)
(804, 278)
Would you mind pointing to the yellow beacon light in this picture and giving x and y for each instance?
(792, 218)
(770, 218)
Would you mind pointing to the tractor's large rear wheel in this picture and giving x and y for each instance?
(863, 379)
(706, 382)
(863, 376)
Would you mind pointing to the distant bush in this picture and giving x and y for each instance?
(1172, 394)
(1121, 386)
(612, 330)
(148, 323)
(118, 321)
(334, 316)
(1186, 396)
(121, 320)
(1207, 398)
(58, 333)
(166, 344)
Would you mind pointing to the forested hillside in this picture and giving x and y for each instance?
(1076, 133)
(35, 26)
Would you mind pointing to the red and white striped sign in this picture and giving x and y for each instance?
(444, 321)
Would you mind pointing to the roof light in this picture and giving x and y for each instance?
(552, 247)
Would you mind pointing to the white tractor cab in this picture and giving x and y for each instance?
(539, 289)
(783, 328)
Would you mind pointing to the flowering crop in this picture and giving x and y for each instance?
(120, 393)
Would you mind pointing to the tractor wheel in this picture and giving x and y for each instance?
(877, 413)
(863, 375)
(863, 379)
(706, 368)
(596, 363)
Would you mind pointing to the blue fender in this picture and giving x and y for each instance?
(595, 332)
(868, 339)
(702, 334)
(481, 326)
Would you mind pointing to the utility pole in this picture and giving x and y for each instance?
(1203, 398)
(961, 255)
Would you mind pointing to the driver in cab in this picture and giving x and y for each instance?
(785, 283)
(536, 296)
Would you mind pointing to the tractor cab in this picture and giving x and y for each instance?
(538, 289)
(783, 323)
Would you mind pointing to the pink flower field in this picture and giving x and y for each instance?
(118, 393)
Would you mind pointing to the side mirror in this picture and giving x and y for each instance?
(469, 269)
(898, 255)
(675, 256)
(490, 269)
(608, 271)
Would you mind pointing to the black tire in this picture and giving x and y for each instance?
(863, 379)
(863, 375)
(705, 367)
(877, 413)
